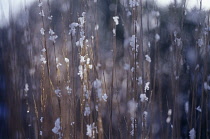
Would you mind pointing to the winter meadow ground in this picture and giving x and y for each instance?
(105, 69)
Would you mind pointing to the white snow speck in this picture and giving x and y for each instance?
(42, 13)
(157, 37)
(170, 112)
(43, 50)
(199, 109)
(91, 130)
(58, 92)
(66, 60)
(139, 80)
(132, 106)
(168, 120)
(133, 3)
(42, 31)
(126, 66)
(87, 111)
(206, 86)
(57, 126)
(50, 17)
(40, 4)
(72, 27)
(146, 86)
(116, 18)
(148, 58)
(104, 97)
(68, 89)
(42, 59)
(192, 133)
(143, 97)
(26, 88)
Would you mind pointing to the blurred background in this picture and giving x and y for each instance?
(104, 69)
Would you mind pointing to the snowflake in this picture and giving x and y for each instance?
(58, 92)
(186, 107)
(41, 119)
(58, 65)
(168, 120)
(148, 58)
(82, 59)
(96, 27)
(143, 97)
(43, 50)
(133, 3)
(42, 31)
(42, 59)
(157, 37)
(192, 133)
(66, 60)
(40, 4)
(56, 59)
(53, 38)
(87, 94)
(87, 111)
(139, 80)
(132, 126)
(128, 13)
(42, 13)
(206, 86)
(114, 32)
(26, 88)
(82, 19)
(132, 107)
(178, 41)
(90, 66)
(80, 42)
(51, 32)
(88, 61)
(91, 130)
(50, 17)
(132, 69)
(197, 66)
(200, 42)
(40, 133)
(68, 89)
(133, 43)
(116, 18)
(96, 107)
(199, 109)
(80, 73)
(72, 27)
(104, 97)
(145, 113)
(146, 86)
(126, 67)
(57, 128)
(169, 111)
(72, 123)
(97, 83)
(149, 44)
